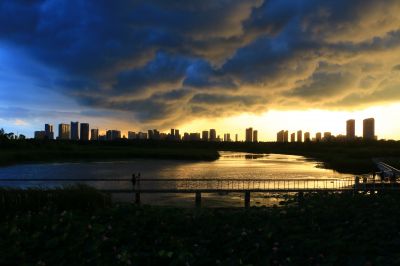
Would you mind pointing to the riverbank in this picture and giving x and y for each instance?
(326, 229)
(66, 151)
(344, 157)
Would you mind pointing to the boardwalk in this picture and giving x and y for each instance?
(196, 187)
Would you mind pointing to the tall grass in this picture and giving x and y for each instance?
(77, 197)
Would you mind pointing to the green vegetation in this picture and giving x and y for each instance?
(326, 229)
(21, 151)
(345, 157)
(78, 197)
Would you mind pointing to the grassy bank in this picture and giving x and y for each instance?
(52, 151)
(344, 157)
(326, 229)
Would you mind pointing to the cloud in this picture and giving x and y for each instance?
(166, 62)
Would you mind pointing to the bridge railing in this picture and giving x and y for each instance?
(244, 184)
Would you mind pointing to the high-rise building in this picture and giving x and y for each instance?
(293, 137)
(155, 134)
(194, 136)
(64, 131)
(213, 135)
(172, 132)
(255, 136)
(350, 129)
(286, 136)
(307, 137)
(94, 134)
(142, 135)
(186, 136)
(40, 134)
(236, 138)
(369, 129)
(204, 135)
(177, 135)
(84, 131)
(227, 137)
(318, 137)
(249, 134)
(280, 136)
(299, 136)
(49, 131)
(75, 130)
(131, 135)
(327, 136)
(113, 134)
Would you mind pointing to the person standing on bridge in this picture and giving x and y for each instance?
(356, 182)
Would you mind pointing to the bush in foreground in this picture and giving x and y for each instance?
(326, 229)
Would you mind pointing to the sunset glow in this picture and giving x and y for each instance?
(270, 65)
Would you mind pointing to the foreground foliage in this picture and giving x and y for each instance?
(325, 229)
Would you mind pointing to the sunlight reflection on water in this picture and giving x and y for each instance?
(231, 165)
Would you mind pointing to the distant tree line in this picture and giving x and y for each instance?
(4, 136)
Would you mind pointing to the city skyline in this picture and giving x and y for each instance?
(82, 131)
(242, 63)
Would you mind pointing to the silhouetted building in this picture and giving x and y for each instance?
(49, 131)
(186, 136)
(40, 134)
(318, 137)
(132, 135)
(227, 137)
(194, 136)
(177, 135)
(293, 137)
(341, 138)
(369, 129)
(255, 136)
(75, 130)
(236, 138)
(286, 136)
(213, 135)
(85, 131)
(63, 131)
(299, 136)
(350, 129)
(327, 136)
(113, 134)
(204, 135)
(280, 136)
(307, 137)
(94, 134)
(249, 134)
(155, 134)
(142, 135)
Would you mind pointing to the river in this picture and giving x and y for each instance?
(231, 165)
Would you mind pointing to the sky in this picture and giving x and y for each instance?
(201, 64)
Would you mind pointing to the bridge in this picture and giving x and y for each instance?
(198, 186)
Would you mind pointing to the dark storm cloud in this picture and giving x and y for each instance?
(167, 61)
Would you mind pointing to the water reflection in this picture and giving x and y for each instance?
(231, 165)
